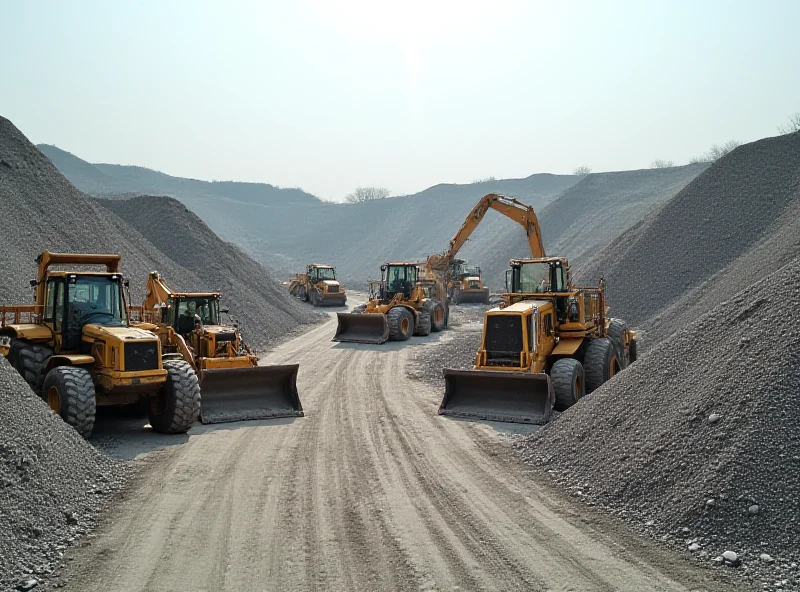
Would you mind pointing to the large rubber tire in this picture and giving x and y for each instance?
(401, 323)
(302, 294)
(69, 391)
(438, 313)
(599, 363)
(616, 329)
(632, 351)
(313, 296)
(30, 362)
(423, 326)
(568, 382)
(176, 406)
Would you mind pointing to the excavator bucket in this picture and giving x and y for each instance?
(515, 397)
(362, 328)
(258, 392)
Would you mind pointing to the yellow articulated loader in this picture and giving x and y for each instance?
(318, 285)
(544, 348)
(402, 303)
(465, 284)
(76, 348)
(234, 387)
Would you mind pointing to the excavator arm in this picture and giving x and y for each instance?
(157, 292)
(508, 206)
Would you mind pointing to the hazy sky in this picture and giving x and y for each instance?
(334, 94)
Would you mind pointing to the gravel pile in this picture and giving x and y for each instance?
(254, 298)
(454, 348)
(52, 484)
(720, 216)
(697, 443)
(46, 212)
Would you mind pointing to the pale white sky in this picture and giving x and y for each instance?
(331, 95)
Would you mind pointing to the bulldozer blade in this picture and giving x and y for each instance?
(258, 392)
(514, 397)
(473, 296)
(362, 328)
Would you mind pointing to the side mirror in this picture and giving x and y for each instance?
(225, 310)
(508, 274)
(126, 283)
(34, 283)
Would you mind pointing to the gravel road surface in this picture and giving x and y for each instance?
(370, 491)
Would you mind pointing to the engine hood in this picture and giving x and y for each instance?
(118, 333)
(331, 282)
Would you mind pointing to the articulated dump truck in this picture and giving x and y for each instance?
(234, 387)
(403, 303)
(547, 345)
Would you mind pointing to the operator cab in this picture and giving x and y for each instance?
(545, 275)
(74, 300)
(181, 311)
(317, 273)
(399, 278)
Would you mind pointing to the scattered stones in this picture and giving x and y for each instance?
(714, 418)
(766, 557)
(754, 509)
(694, 547)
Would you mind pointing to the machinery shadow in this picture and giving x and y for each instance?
(127, 435)
(500, 427)
(415, 341)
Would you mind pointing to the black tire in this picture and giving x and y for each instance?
(438, 314)
(599, 363)
(616, 329)
(401, 323)
(313, 296)
(302, 294)
(359, 309)
(176, 406)
(30, 362)
(69, 391)
(423, 326)
(568, 382)
(632, 352)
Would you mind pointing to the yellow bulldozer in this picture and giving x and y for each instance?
(76, 348)
(465, 284)
(318, 285)
(404, 302)
(547, 345)
(234, 387)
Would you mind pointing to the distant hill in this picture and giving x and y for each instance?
(109, 179)
(286, 228)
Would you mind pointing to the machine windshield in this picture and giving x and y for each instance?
(540, 277)
(207, 308)
(401, 278)
(95, 299)
(326, 273)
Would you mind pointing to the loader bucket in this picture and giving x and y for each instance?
(362, 328)
(514, 397)
(258, 392)
(472, 296)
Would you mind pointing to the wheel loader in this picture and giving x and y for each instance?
(465, 284)
(547, 345)
(234, 387)
(77, 350)
(402, 303)
(318, 285)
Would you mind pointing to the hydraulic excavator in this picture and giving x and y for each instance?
(548, 343)
(411, 297)
(233, 386)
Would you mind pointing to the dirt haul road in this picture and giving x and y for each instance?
(370, 491)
